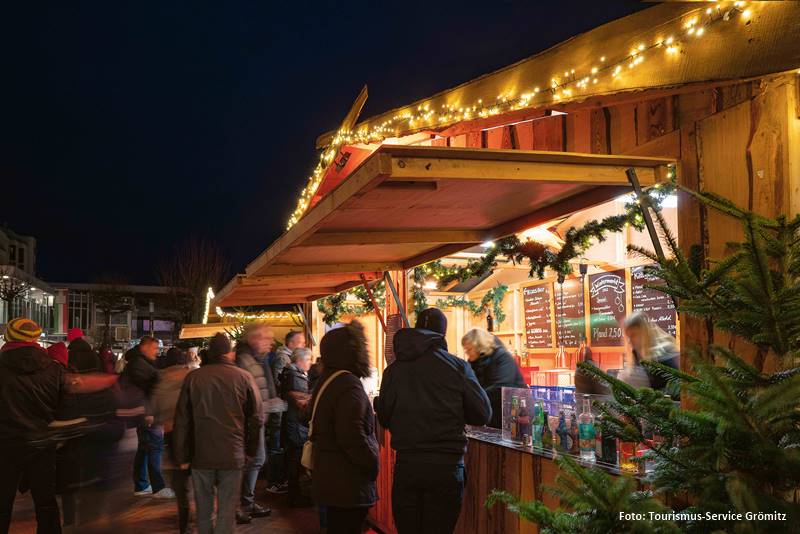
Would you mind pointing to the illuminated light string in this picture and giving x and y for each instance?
(264, 316)
(563, 86)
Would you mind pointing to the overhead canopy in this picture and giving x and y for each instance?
(739, 40)
(405, 206)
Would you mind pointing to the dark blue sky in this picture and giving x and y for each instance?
(129, 126)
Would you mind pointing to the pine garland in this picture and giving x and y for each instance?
(494, 297)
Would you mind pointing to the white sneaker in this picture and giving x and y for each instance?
(165, 493)
(144, 493)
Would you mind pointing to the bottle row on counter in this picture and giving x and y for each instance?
(553, 421)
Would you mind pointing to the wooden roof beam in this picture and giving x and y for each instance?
(360, 237)
(431, 168)
(356, 268)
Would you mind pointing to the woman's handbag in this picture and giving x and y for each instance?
(308, 447)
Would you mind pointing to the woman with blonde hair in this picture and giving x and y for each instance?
(494, 367)
(647, 343)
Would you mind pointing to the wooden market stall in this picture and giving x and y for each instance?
(711, 87)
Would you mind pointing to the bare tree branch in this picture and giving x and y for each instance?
(194, 267)
(11, 286)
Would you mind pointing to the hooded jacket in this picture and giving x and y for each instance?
(494, 372)
(427, 396)
(345, 448)
(31, 388)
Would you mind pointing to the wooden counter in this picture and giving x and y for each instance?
(490, 464)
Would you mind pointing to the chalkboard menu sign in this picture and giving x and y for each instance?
(571, 320)
(538, 320)
(656, 305)
(607, 308)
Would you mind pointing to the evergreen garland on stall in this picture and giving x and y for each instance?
(334, 306)
(494, 297)
(735, 447)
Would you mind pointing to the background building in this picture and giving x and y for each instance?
(21, 292)
(128, 312)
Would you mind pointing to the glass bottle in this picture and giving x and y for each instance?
(627, 457)
(563, 432)
(538, 423)
(574, 435)
(547, 434)
(524, 420)
(586, 432)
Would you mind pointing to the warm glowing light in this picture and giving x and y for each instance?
(669, 40)
(699, 32)
(746, 14)
(602, 58)
(541, 234)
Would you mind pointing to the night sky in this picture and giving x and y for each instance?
(129, 126)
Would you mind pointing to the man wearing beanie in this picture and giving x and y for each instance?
(217, 424)
(427, 396)
(32, 385)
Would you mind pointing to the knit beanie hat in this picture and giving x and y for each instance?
(218, 346)
(22, 329)
(73, 334)
(59, 353)
(432, 319)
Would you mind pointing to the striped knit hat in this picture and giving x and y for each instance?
(22, 329)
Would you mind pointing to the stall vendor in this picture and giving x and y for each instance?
(494, 366)
(648, 343)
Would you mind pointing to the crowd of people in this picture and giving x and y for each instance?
(215, 424)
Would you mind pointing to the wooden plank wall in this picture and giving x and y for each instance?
(490, 466)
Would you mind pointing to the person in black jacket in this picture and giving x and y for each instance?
(427, 396)
(345, 448)
(494, 367)
(82, 358)
(295, 391)
(141, 373)
(32, 387)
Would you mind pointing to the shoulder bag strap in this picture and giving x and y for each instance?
(316, 401)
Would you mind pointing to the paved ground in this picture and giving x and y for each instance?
(117, 511)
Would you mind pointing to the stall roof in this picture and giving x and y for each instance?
(405, 206)
(739, 40)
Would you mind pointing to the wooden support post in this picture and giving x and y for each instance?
(644, 205)
(375, 307)
(401, 308)
(306, 327)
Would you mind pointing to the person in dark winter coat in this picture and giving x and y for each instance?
(427, 396)
(141, 373)
(345, 447)
(218, 423)
(251, 355)
(276, 463)
(32, 387)
(295, 391)
(494, 367)
(86, 458)
(81, 356)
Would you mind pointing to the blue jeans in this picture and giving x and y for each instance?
(250, 472)
(426, 498)
(147, 462)
(276, 468)
(227, 482)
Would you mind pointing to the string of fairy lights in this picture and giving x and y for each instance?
(571, 83)
(246, 316)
